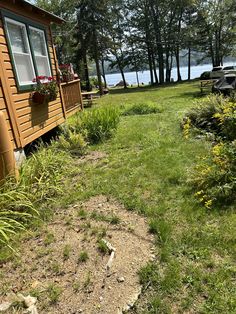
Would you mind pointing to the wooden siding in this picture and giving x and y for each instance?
(32, 120)
(4, 109)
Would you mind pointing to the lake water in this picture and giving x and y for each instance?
(144, 77)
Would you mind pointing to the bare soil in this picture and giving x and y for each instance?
(64, 266)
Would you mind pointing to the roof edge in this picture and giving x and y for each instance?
(54, 18)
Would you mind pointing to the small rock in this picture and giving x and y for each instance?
(101, 299)
(5, 306)
(120, 279)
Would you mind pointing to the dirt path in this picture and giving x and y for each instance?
(64, 266)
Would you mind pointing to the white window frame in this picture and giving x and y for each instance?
(7, 19)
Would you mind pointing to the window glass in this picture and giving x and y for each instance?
(37, 38)
(21, 52)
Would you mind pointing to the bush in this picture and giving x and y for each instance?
(215, 177)
(140, 109)
(214, 114)
(205, 75)
(96, 125)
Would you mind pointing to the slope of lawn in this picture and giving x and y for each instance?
(146, 166)
(147, 169)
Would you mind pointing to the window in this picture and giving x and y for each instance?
(21, 52)
(39, 47)
(29, 51)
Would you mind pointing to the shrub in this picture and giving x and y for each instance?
(214, 114)
(205, 75)
(215, 177)
(96, 125)
(141, 109)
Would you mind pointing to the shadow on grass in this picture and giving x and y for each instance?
(148, 88)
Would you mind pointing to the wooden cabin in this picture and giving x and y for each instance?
(27, 51)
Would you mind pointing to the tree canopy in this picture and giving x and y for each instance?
(138, 34)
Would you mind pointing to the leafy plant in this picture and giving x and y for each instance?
(214, 114)
(215, 176)
(46, 86)
(72, 141)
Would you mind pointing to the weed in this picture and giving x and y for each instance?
(53, 292)
(87, 281)
(114, 220)
(72, 141)
(41, 252)
(82, 213)
(66, 252)
(102, 247)
(55, 268)
(49, 239)
(83, 257)
(76, 286)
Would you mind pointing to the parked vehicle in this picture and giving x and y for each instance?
(230, 69)
(225, 85)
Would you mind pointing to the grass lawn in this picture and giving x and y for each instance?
(146, 167)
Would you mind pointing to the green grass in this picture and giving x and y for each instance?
(147, 169)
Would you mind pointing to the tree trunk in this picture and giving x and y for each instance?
(103, 74)
(86, 72)
(137, 78)
(179, 78)
(155, 16)
(155, 70)
(96, 59)
(189, 64)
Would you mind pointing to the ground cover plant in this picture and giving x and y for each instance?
(146, 167)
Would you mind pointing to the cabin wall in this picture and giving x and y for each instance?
(32, 120)
(3, 108)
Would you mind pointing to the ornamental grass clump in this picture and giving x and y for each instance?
(42, 174)
(96, 125)
(16, 211)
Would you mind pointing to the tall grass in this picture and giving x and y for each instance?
(96, 125)
(40, 181)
